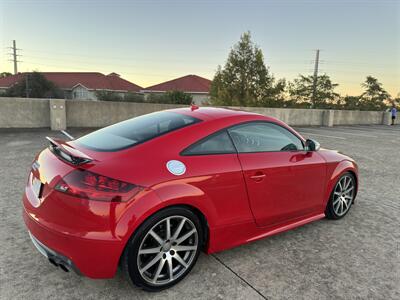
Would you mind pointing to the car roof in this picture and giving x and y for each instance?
(210, 113)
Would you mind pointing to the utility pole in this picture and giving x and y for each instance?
(14, 56)
(314, 92)
(27, 90)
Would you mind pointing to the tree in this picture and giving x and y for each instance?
(374, 96)
(5, 74)
(34, 85)
(351, 102)
(396, 101)
(244, 80)
(275, 96)
(301, 91)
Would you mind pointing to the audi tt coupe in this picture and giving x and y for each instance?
(149, 193)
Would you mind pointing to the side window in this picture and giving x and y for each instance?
(218, 143)
(264, 137)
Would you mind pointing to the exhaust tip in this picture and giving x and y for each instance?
(64, 268)
(53, 262)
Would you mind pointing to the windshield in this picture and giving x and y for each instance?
(135, 131)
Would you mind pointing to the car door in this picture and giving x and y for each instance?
(284, 182)
(213, 166)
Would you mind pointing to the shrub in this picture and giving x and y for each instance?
(108, 96)
(133, 97)
(171, 97)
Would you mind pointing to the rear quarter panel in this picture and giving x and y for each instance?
(212, 184)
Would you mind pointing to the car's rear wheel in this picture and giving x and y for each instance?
(164, 249)
(342, 197)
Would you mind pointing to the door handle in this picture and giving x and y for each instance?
(258, 176)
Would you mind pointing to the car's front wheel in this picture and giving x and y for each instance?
(342, 197)
(164, 249)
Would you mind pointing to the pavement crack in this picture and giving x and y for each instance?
(240, 277)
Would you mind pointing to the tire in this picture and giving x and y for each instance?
(153, 245)
(342, 197)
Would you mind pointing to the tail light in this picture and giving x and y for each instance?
(88, 185)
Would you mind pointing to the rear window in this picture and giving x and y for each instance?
(135, 131)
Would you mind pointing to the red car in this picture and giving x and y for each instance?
(148, 194)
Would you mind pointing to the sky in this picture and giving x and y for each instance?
(148, 42)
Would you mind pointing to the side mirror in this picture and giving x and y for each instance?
(312, 145)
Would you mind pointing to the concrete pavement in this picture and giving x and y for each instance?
(357, 257)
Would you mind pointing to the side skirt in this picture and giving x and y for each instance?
(226, 237)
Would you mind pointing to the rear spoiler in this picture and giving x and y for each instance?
(71, 155)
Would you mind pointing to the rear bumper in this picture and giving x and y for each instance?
(89, 257)
(55, 258)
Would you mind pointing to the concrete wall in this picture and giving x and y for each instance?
(348, 117)
(103, 113)
(24, 113)
(35, 113)
(291, 116)
(318, 117)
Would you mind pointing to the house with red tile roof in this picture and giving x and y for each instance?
(79, 85)
(194, 85)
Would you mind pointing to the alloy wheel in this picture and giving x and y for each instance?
(343, 195)
(167, 250)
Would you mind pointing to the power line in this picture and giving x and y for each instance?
(161, 60)
(174, 51)
(80, 62)
(130, 66)
(89, 70)
(69, 59)
(124, 58)
(173, 61)
(358, 63)
(334, 69)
